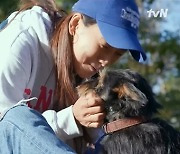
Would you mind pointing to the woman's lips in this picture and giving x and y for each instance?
(93, 68)
(96, 69)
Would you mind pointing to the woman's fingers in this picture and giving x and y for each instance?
(95, 110)
(96, 117)
(94, 124)
(89, 110)
(94, 120)
(93, 100)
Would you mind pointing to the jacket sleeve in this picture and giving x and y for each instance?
(15, 67)
(63, 123)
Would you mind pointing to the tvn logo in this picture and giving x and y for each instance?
(162, 13)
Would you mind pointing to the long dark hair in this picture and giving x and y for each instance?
(62, 50)
(63, 55)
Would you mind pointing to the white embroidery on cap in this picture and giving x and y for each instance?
(130, 15)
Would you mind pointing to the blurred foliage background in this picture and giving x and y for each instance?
(162, 68)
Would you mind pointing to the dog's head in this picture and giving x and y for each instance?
(125, 93)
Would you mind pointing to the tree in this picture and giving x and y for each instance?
(6, 7)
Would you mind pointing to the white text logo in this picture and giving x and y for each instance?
(159, 13)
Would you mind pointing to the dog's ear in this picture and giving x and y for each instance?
(86, 86)
(128, 92)
(82, 89)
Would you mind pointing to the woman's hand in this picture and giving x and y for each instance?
(89, 110)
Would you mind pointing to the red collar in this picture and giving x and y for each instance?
(121, 124)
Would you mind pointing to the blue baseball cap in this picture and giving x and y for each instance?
(118, 21)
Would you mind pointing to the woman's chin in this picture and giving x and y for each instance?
(86, 75)
(87, 72)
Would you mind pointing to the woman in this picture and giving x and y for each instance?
(46, 54)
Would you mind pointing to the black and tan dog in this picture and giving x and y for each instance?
(129, 125)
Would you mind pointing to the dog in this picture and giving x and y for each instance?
(130, 125)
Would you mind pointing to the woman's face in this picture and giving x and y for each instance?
(91, 51)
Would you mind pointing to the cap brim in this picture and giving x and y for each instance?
(122, 38)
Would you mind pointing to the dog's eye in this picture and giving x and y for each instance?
(114, 95)
(123, 98)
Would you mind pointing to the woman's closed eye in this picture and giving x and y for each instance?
(120, 52)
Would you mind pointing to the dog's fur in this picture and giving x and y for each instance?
(127, 94)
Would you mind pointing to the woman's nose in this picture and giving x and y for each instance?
(103, 62)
